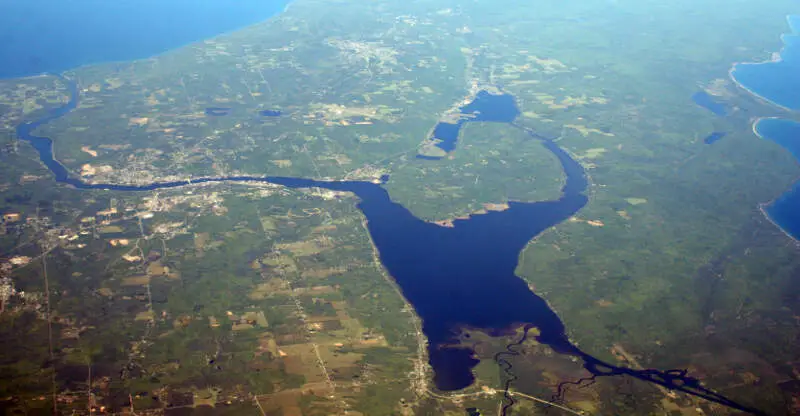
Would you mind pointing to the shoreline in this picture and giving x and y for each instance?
(764, 205)
(754, 94)
(763, 208)
(777, 57)
(78, 67)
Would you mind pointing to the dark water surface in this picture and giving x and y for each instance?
(464, 275)
(453, 277)
(218, 111)
(785, 210)
(38, 36)
(499, 108)
(714, 137)
(778, 81)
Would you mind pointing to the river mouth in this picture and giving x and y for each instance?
(460, 276)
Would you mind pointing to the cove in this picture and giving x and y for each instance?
(498, 108)
(714, 137)
(776, 81)
(454, 277)
(55, 35)
(784, 210)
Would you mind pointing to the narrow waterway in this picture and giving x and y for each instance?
(455, 277)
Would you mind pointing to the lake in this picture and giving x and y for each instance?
(485, 107)
(784, 210)
(55, 35)
(455, 277)
(778, 82)
(707, 101)
(714, 137)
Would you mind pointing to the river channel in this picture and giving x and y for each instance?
(455, 277)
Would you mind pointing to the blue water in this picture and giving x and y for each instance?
(714, 137)
(454, 277)
(55, 35)
(785, 210)
(218, 111)
(707, 101)
(225, 111)
(499, 108)
(464, 276)
(778, 82)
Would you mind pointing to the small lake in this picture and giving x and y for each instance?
(455, 277)
(485, 107)
(707, 101)
(714, 137)
(55, 35)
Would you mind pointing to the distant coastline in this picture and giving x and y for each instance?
(777, 58)
(51, 36)
(764, 206)
(766, 100)
(789, 226)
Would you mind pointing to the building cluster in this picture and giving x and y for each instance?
(9, 221)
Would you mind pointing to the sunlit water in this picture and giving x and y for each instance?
(785, 211)
(778, 82)
(55, 35)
